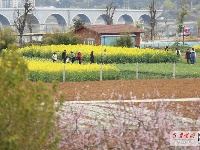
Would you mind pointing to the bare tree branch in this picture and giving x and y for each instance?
(20, 18)
(110, 10)
(153, 18)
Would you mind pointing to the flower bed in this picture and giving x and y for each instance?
(113, 54)
(47, 71)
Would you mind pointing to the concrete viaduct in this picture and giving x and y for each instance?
(63, 17)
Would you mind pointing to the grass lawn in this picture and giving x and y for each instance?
(159, 70)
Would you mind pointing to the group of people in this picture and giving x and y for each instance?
(190, 56)
(73, 57)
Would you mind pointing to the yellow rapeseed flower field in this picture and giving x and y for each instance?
(47, 71)
(197, 48)
(86, 49)
(48, 66)
(113, 54)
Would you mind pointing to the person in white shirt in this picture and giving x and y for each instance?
(54, 57)
(73, 57)
(178, 52)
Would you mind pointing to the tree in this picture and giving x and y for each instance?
(30, 27)
(152, 18)
(20, 18)
(58, 38)
(125, 41)
(183, 12)
(127, 126)
(27, 109)
(78, 23)
(62, 3)
(138, 25)
(168, 4)
(198, 24)
(110, 10)
(7, 38)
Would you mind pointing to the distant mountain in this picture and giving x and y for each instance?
(125, 4)
(171, 8)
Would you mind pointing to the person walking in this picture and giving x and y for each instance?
(92, 57)
(166, 48)
(54, 57)
(193, 56)
(79, 57)
(64, 56)
(188, 56)
(73, 57)
(67, 59)
(178, 52)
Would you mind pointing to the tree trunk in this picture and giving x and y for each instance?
(20, 40)
(109, 14)
(152, 19)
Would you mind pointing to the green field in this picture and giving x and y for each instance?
(151, 64)
(159, 70)
(127, 71)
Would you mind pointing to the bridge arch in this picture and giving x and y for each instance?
(101, 19)
(33, 19)
(56, 18)
(125, 19)
(54, 21)
(4, 21)
(32, 24)
(82, 17)
(144, 19)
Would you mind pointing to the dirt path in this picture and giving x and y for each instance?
(137, 89)
(131, 89)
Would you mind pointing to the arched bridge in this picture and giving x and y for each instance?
(63, 17)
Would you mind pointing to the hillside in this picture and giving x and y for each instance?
(128, 4)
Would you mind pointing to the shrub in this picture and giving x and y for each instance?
(125, 41)
(27, 109)
(60, 38)
(7, 39)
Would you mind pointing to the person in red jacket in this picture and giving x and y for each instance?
(79, 57)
